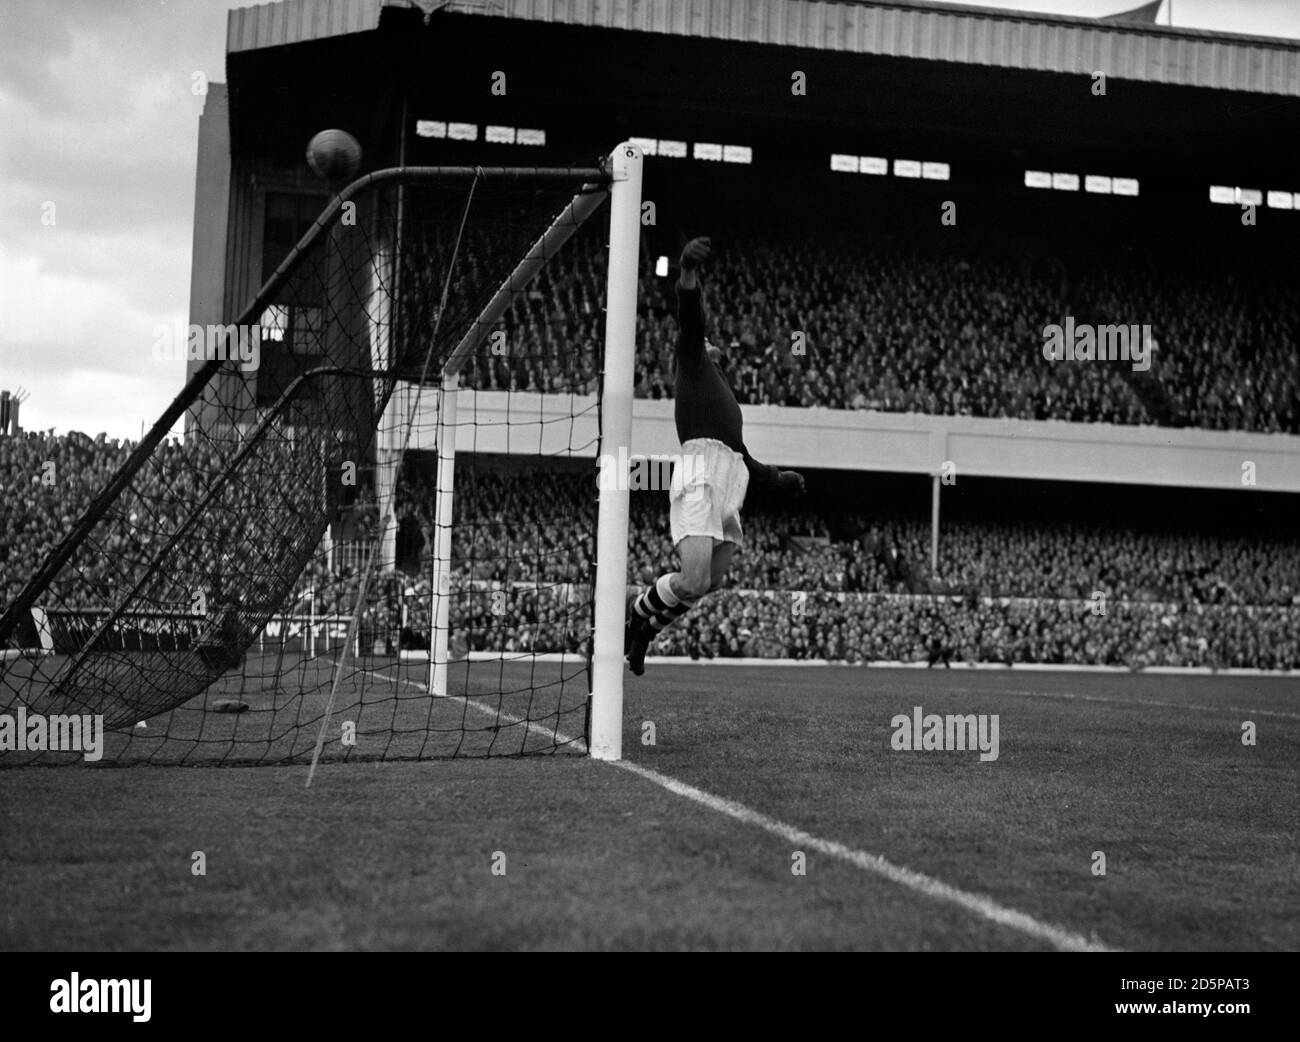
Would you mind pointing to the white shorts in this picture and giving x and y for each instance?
(707, 499)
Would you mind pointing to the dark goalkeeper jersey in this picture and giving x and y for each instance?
(705, 406)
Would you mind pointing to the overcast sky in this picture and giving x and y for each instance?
(97, 116)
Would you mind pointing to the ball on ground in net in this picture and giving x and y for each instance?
(229, 705)
(334, 154)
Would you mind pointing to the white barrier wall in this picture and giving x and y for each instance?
(900, 443)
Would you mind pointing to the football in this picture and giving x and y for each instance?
(334, 154)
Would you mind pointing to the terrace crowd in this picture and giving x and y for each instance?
(1014, 593)
(856, 586)
(895, 328)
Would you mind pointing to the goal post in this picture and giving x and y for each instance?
(616, 430)
(444, 493)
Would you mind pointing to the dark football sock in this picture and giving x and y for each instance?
(658, 607)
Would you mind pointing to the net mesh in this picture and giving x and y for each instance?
(210, 597)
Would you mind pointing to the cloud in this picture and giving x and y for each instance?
(83, 349)
(99, 120)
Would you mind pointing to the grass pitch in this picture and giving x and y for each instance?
(1201, 833)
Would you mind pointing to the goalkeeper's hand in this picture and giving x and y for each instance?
(790, 482)
(695, 253)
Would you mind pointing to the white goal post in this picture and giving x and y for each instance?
(616, 430)
(625, 169)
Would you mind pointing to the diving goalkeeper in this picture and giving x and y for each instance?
(705, 502)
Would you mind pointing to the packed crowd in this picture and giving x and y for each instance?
(897, 329)
(526, 526)
(1006, 593)
(854, 587)
(934, 629)
(48, 482)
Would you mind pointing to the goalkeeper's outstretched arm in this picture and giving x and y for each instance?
(690, 308)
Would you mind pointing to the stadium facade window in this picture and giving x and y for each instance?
(1038, 179)
(1223, 194)
(843, 163)
(935, 171)
(287, 217)
(1097, 184)
(672, 149)
(1251, 196)
(649, 146)
(274, 323)
(907, 168)
(1281, 200)
(737, 154)
(707, 151)
(1065, 182)
(296, 313)
(308, 331)
(1126, 186)
(493, 134)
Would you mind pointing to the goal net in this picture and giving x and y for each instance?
(377, 538)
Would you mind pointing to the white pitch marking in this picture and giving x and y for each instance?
(559, 737)
(984, 907)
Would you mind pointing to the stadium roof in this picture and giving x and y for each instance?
(897, 28)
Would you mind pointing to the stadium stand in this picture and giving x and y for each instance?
(813, 583)
(906, 327)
